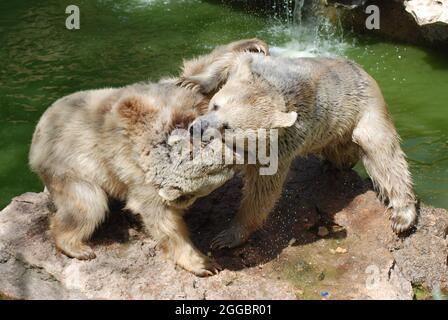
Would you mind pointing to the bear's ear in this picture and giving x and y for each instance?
(135, 110)
(244, 68)
(284, 119)
(170, 194)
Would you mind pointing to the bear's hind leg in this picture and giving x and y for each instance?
(81, 207)
(386, 164)
(167, 227)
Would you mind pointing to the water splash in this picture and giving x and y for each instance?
(282, 10)
(310, 33)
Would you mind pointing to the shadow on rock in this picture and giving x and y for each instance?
(328, 230)
(311, 196)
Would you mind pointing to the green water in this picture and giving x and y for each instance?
(121, 42)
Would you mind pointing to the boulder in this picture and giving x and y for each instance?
(415, 21)
(428, 11)
(358, 257)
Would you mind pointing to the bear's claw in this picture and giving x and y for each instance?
(252, 45)
(230, 238)
(201, 266)
(403, 219)
(78, 251)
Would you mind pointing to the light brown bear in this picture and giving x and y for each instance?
(323, 106)
(97, 144)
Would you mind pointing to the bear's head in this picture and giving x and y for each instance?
(246, 102)
(150, 113)
(155, 125)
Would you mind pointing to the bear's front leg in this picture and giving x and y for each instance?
(260, 194)
(173, 235)
(167, 226)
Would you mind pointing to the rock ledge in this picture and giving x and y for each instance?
(358, 258)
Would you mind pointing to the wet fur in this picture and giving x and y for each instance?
(96, 144)
(341, 115)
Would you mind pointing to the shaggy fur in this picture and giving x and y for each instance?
(97, 144)
(324, 106)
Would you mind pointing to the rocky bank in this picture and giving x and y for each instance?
(328, 238)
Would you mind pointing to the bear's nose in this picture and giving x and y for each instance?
(198, 127)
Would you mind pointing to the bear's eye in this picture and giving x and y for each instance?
(215, 107)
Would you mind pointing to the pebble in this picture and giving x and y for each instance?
(338, 250)
(322, 232)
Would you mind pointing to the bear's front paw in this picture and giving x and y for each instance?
(192, 83)
(402, 219)
(78, 250)
(200, 265)
(252, 45)
(230, 238)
